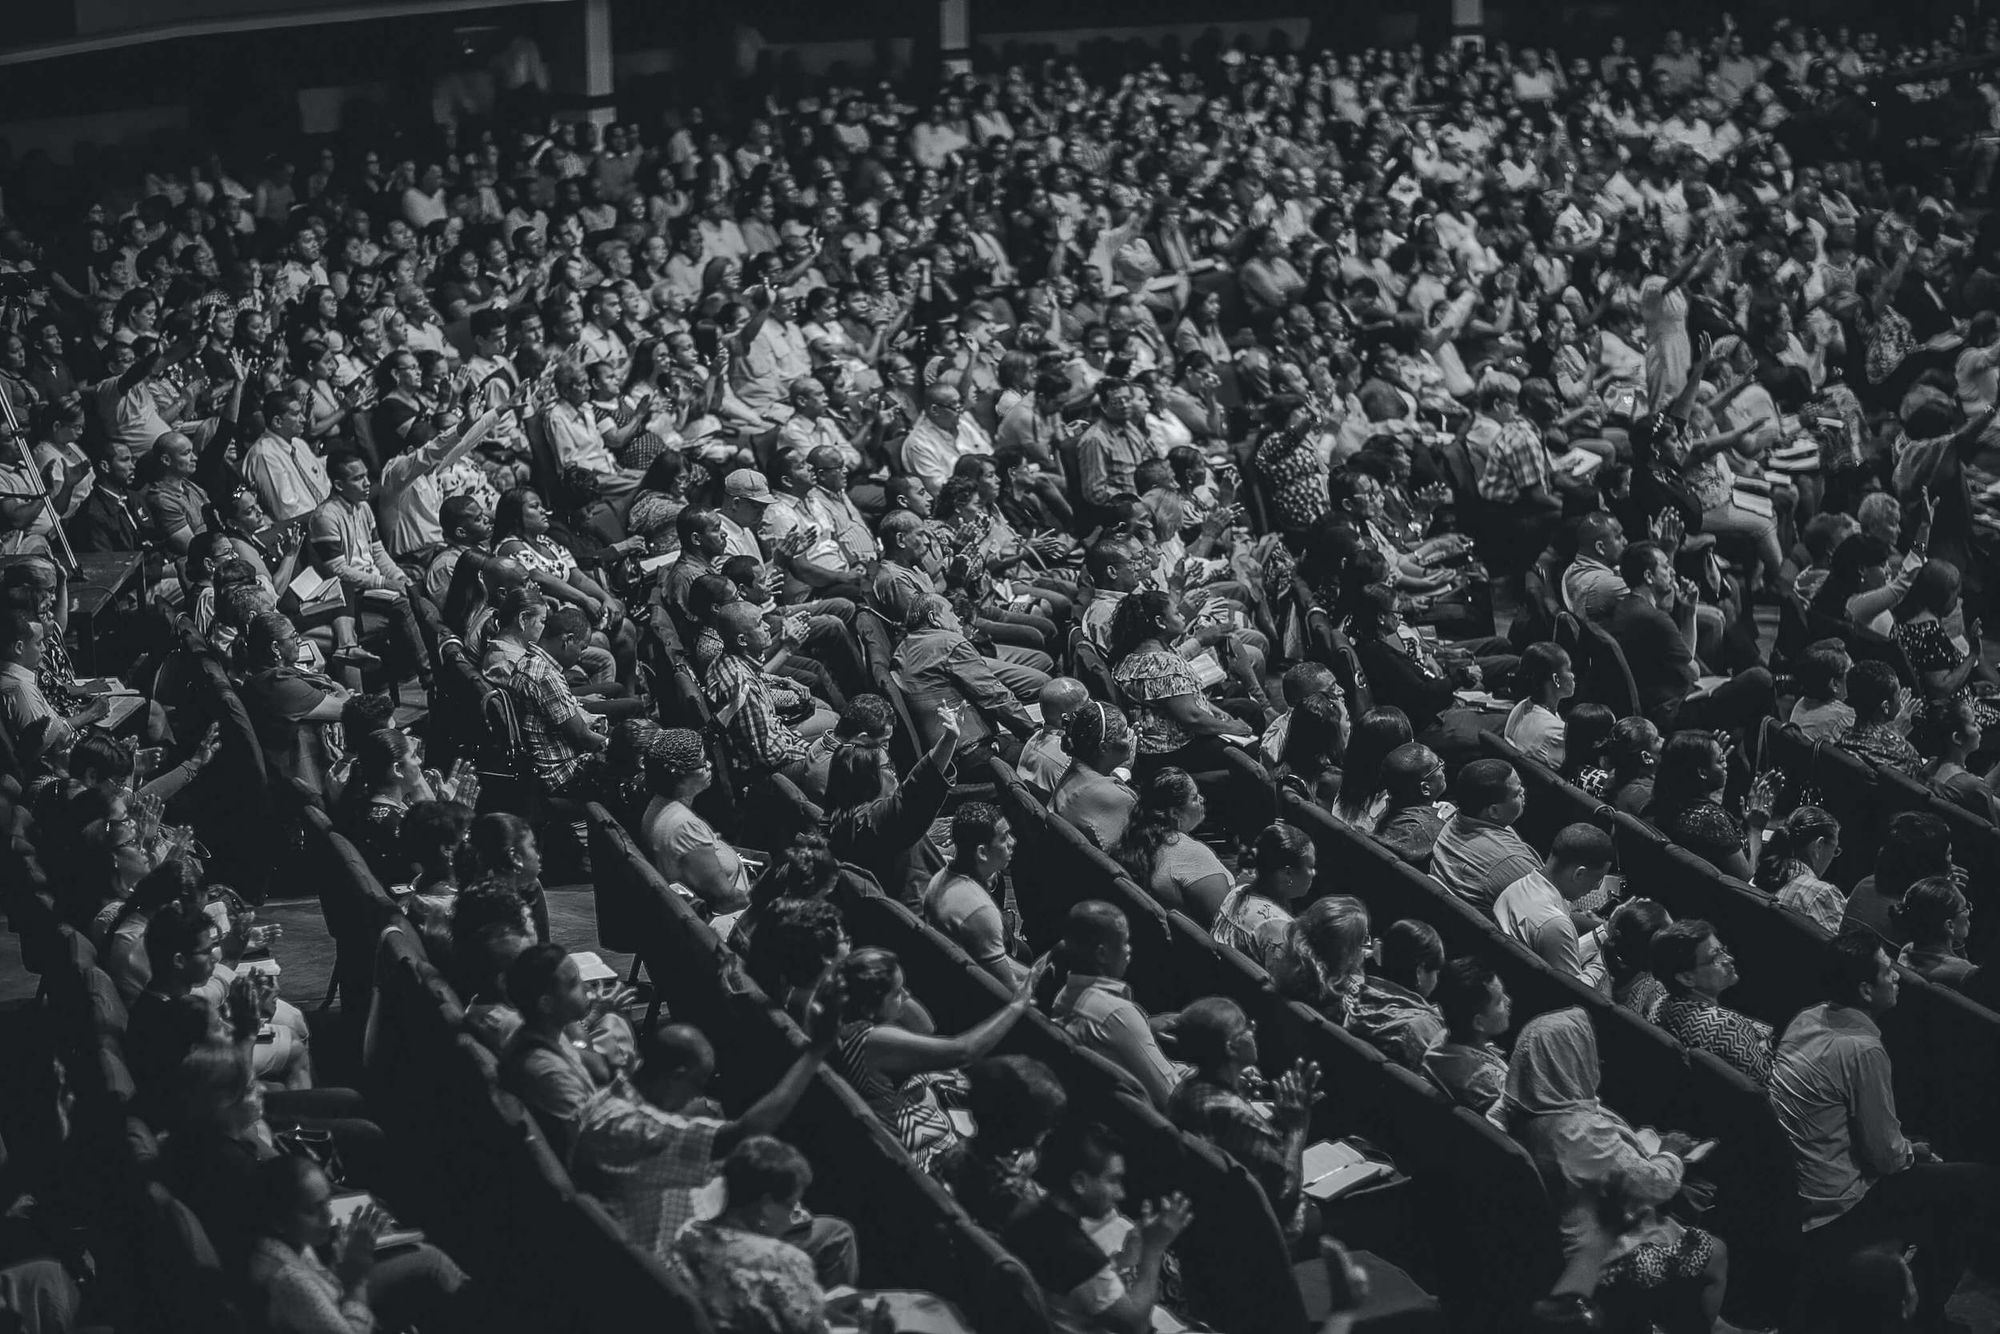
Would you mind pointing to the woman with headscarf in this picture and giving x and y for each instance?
(685, 848)
(1582, 1147)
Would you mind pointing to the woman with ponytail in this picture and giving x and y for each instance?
(1160, 850)
(1936, 917)
(1793, 863)
(1093, 795)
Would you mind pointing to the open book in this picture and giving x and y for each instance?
(1331, 1170)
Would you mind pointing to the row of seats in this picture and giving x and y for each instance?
(1946, 1048)
(911, 1233)
(1488, 1231)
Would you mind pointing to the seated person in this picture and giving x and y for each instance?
(1695, 967)
(1881, 719)
(1394, 1013)
(963, 900)
(1212, 1103)
(288, 705)
(1414, 778)
(1478, 854)
(1096, 1007)
(1163, 855)
(1015, 1102)
(352, 1289)
(1536, 909)
(1948, 734)
(1043, 759)
(1821, 711)
(936, 667)
(543, 1065)
(1080, 1250)
(738, 1264)
(766, 720)
(1094, 794)
(563, 740)
(1469, 1065)
(685, 848)
(646, 1153)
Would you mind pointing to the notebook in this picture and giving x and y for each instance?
(1331, 1170)
(393, 1233)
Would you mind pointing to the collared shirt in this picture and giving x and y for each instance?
(1108, 456)
(291, 480)
(1100, 1014)
(1221, 1116)
(361, 559)
(1476, 859)
(24, 704)
(174, 503)
(738, 540)
(578, 438)
(837, 512)
(803, 434)
(645, 1166)
(534, 676)
(930, 454)
(1509, 459)
(897, 588)
(1532, 911)
(548, 1074)
(776, 357)
(1723, 1033)
(1831, 1086)
(1097, 615)
(681, 576)
(1590, 589)
(744, 701)
(1473, 1075)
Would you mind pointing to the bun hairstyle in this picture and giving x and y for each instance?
(1092, 730)
(1788, 838)
(1927, 908)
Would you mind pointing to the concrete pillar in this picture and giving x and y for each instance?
(955, 35)
(1468, 21)
(581, 63)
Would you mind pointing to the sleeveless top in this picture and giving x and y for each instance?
(909, 1109)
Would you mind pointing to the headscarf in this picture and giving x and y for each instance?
(1554, 1068)
(675, 752)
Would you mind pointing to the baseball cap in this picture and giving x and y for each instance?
(747, 484)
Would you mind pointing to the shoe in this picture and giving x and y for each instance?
(354, 656)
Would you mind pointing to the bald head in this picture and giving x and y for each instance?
(1060, 699)
(824, 458)
(1408, 772)
(676, 1065)
(943, 398)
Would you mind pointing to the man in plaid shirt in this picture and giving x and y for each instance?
(746, 700)
(560, 739)
(1213, 1103)
(646, 1153)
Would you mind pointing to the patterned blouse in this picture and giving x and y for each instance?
(750, 1284)
(1150, 678)
(1881, 743)
(909, 1107)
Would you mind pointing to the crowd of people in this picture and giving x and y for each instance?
(1303, 411)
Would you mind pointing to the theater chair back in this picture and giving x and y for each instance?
(356, 909)
(1841, 783)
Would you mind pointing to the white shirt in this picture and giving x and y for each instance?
(291, 480)
(929, 454)
(1532, 911)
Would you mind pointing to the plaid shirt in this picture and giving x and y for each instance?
(743, 699)
(646, 1167)
(1222, 1116)
(1509, 458)
(535, 678)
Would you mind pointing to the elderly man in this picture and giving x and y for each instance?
(577, 436)
(936, 665)
(945, 434)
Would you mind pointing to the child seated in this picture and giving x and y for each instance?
(1822, 712)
